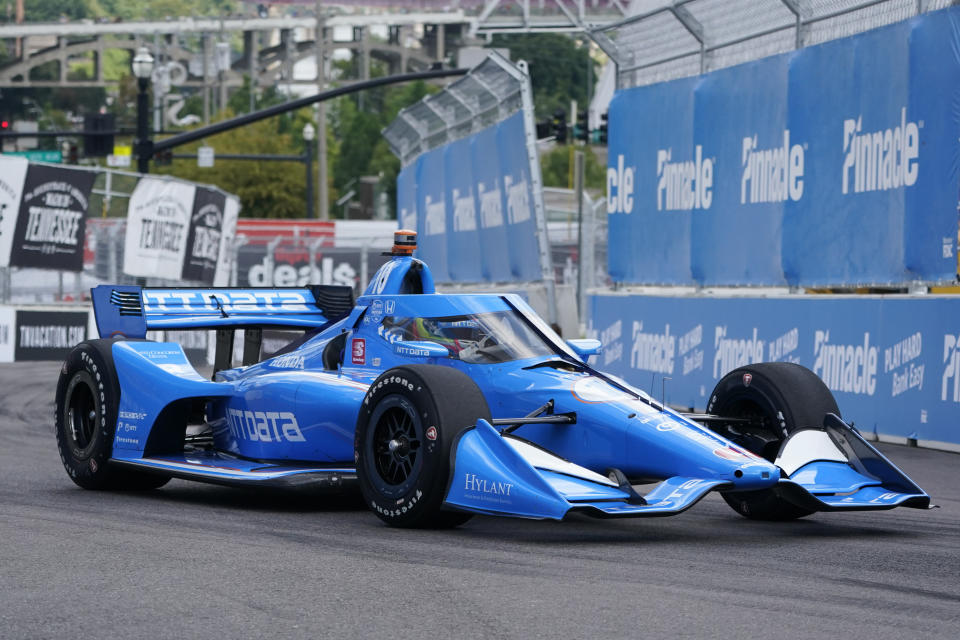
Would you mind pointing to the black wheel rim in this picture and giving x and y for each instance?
(395, 445)
(81, 418)
(762, 412)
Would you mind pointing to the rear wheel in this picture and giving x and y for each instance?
(778, 398)
(88, 400)
(406, 427)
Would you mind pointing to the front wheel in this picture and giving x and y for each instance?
(778, 398)
(408, 422)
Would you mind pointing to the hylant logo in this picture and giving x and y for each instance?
(880, 160)
(771, 175)
(685, 185)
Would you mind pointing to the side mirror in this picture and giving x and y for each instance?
(420, 349)
(585, 347)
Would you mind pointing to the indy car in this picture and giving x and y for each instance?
(440, 406)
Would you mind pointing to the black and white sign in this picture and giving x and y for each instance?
(52, 218)
(13, 172)
(203, 237)
(158, 221)
(48, 335)
(231, 212)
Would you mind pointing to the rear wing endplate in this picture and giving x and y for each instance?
(130, 311)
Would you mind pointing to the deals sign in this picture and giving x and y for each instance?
(158, 222)
(50, 226)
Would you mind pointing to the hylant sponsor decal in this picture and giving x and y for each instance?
(882, 159)
(484, 489)
(264, 426)
(771, 175)
(901, 360)
(653, 351)
(684, 185)
(851, 368)
(731, 352)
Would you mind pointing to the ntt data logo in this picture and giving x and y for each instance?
(771, 175)
(880, 160)
(684, 185)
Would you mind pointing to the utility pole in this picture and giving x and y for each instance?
(323, 205)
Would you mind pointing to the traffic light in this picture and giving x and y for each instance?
(97, 144)
(559, 126)
(581, 129)
(4, 125)
(603, 128)
(72, 155)
(163, 158)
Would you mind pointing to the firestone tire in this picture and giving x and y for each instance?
(88, 399)
(409, 419)
(787, 397)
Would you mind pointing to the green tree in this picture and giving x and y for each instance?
(267, 189)
(555, 166)
(558, 69)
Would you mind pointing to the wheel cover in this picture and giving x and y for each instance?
(81, 417)
(395, 445)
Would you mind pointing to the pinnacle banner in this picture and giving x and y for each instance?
(833, 165)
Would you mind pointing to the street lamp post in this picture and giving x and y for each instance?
(143, 69)
(308, 134)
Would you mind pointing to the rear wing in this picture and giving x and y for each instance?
(131, 310)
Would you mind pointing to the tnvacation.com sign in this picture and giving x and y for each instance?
(48, 335)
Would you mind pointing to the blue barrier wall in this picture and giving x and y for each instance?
(893, 363)
(471, 203)
(832, 165)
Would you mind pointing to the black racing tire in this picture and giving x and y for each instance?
(88, 400)
(784, 398)
(407, 424)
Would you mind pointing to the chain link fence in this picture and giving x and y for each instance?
(690, 37)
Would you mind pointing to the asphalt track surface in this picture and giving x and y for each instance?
(193, 560)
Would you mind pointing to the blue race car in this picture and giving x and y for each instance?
(439, 407)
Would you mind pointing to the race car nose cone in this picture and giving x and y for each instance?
(756, 475)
